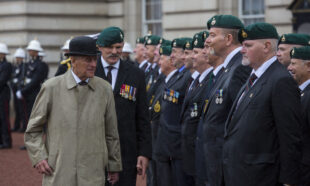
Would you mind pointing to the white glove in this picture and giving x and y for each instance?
(19, 94)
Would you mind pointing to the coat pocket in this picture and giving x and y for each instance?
(259, 158)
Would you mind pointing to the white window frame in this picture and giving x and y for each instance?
(146, 22)
(251, 16)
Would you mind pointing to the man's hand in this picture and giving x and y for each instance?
(142, 164)
(113, 177)
(43, 168)
(19, 94)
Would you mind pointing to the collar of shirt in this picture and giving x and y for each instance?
(159, 71)
(76, 78)
(154, 65)
(195, 74)
(105, 64)
(260, 71)
(217, 69)
(141, 64)
(204, 74)
(231, 55)
(182, 68)
(304, 85)
(170, 75)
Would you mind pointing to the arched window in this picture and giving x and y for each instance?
(252, 11)
(152, 17)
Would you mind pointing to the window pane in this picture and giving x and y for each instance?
(257, 7)
(246, 9)
(155, 28)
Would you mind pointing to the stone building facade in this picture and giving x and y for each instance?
(52, 22)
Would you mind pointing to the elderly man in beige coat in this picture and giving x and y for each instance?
(81, 139)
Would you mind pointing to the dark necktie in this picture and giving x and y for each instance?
(195, 83)
(109, 75)
(144, 67)
(252, 78)
(82, 83)
(249, 84)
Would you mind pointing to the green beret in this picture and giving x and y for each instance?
(297, 39)
(180, 42)
(110, 36)
(152, 40)
(199, 39)
(224, 21)
(140, 40)
(165, 42)
(188, 45)
(165, 50)
(258, 31)
(301, 53)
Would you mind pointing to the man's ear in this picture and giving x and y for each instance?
(308, 65)
(229, 39)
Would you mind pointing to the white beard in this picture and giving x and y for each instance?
(245, 62)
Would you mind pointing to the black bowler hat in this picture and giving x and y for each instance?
(82, 46)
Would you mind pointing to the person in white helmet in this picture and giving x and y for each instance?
(65, 64)
(41, 55)
(18, 72)
(5, 74)
(35, 74)
(127, 50)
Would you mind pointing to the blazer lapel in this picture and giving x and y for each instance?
(121, 75)
(99, 70)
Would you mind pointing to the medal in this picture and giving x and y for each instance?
(217, 100)
(134, 94)
(157, 107)
(192, 114)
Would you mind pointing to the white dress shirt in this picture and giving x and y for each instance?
(114, 71)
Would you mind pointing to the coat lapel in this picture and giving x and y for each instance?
(247, 98)
(121, 76)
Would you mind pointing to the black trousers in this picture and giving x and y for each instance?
(5, 128)
(170, 172)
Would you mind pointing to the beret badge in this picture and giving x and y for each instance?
(161, 50)
(283, 38)
(213, 21)
(149, 41)
(187, 45)
(244, 34)
(174, 44)
(196, 42)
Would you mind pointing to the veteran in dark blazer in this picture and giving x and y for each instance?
(262, 141)
(300, 70)
(193, 103)
(128, 83)
(168, 143)
(225, 90)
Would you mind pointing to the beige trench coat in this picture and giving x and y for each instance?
(81, 137)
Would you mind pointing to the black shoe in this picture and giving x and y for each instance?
(22, 148)
(5, 146)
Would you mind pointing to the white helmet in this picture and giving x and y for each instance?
(127, 48)
(4, 49)
(20, 53)
(66, 45)
(34, 45)
(42, 54)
